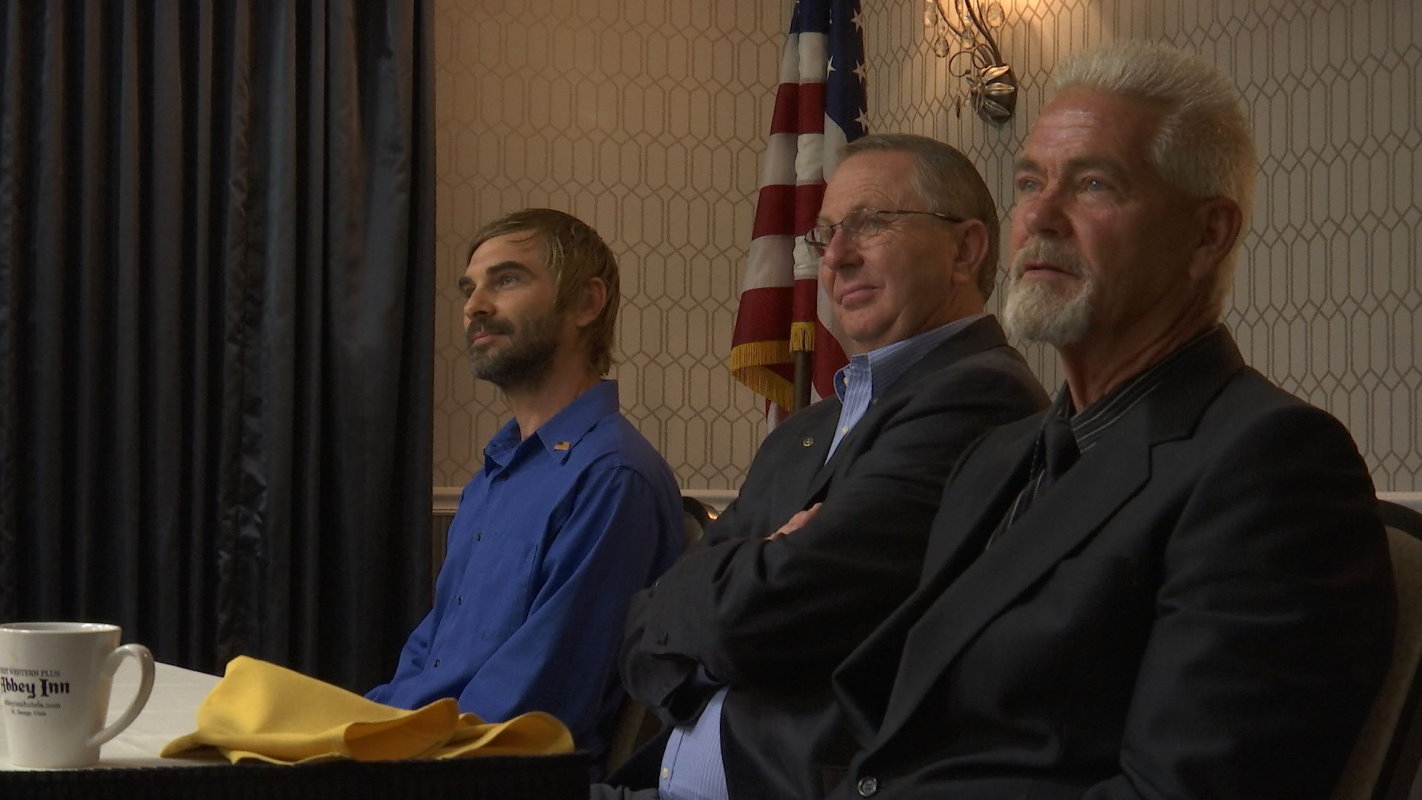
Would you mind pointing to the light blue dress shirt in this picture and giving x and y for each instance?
(867, 375)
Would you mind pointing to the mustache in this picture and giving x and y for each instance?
(494, 326)
(1050, 252)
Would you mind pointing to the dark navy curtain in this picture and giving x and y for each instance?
(216, 237)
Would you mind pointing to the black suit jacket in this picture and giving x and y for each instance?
(773, 619)
(1202, 607)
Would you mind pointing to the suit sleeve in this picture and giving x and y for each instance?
(1273, 624)
(747, 611)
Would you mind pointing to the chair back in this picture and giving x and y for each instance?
(636, 724)
(696, 516)
(1384, 763)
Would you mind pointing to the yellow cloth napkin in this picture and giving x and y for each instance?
(260, 711)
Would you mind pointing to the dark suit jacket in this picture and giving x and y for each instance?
(773, 619)
(1202, 607)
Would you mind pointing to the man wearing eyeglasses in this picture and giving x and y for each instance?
(735, 644)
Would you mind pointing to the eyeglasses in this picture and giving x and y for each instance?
(861, 225)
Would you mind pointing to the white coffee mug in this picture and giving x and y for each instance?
(54, 685)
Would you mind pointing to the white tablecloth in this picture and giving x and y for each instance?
(171, 712)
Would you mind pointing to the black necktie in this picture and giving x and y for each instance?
(1059, 450)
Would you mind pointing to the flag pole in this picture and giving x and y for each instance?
(820, 105)
(802, 379)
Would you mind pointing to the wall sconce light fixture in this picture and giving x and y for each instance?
(959, 32)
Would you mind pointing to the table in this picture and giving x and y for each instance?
(129, 765)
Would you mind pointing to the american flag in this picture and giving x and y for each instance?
(820, 104)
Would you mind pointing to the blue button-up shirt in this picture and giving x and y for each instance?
(552, 538)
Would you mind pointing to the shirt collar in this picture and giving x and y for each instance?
(1091, 423)
(560, 434)
(883, 366)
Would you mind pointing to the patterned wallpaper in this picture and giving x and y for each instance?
(646, 118)
(1326, 294)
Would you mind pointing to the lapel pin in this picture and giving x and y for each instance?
(809, 441)
(562, 445)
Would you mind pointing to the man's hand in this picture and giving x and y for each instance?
(795, 523)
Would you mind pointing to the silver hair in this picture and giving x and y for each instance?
(1204, 145)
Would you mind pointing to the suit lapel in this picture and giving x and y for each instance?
(984, 334)
(1056, 524)
(962, 601)
(979, 498)
(808, 469)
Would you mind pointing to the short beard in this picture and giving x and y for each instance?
(528, 359)
(1035, 312)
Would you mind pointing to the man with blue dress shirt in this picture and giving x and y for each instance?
(735, 645)
(573, 510)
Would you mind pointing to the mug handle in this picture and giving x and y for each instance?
(144, 658)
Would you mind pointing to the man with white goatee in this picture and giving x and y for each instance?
(1173, 583)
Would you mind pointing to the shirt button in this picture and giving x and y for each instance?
(868, 787)
(666, 772)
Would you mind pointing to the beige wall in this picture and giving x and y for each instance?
(646, 118)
